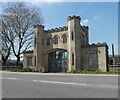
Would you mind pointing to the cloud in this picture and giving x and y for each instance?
(38, 1)
(95, 17)
(33, 1)
(41, 2)
(84, 22)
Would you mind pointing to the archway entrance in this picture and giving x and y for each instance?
(58, 61)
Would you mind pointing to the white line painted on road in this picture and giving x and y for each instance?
(78, 84)
(12, 78)
(56, 82)
(8, 78)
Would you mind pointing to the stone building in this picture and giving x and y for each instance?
(66, 48)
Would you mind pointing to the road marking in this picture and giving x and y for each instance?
(56, 82)
(8, 78)
(12, 78)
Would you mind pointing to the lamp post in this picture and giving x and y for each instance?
(113, 56)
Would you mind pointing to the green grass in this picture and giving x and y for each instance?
(72, 71)
(91, 72)
(22, 70)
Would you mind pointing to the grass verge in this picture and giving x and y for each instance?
(91, 72)
(22, 70)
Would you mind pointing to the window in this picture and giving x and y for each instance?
(48, 41)
(35, 40)
(72, 58)
(72, 36)
(55, 39)
(35, 60)
(29, 61)
(64, 38)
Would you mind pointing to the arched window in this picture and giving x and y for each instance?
(48, 41)
(55, 39)
(64, 38)
(72, 35)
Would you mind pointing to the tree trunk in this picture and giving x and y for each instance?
(18, 61)
(4, 60)
(4, 63)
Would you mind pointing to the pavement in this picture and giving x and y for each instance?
(58, 85)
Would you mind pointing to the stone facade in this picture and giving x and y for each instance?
(73, 38)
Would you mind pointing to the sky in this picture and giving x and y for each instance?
(101, 17)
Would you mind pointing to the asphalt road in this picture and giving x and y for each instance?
(26, 85)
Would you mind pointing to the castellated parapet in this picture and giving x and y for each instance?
(99, 44)
(72, 38)
(38, 25)
(74, 17)
(64, 28)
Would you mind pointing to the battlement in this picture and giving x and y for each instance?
(38, 25)
(73, 17)
(84, 28)
(64, 28)
(103, 44)
(99, 44)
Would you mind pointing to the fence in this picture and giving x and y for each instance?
(114, 68)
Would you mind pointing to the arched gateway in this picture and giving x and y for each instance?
(65, 48)
(58, 60)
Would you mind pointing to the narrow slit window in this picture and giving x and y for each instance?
(72, 58)
(35, 40)
(72, 35)
(35, 60)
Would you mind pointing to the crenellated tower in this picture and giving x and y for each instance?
(74, 32)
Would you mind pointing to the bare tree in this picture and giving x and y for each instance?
(6, 49)
(5, 44)
(18, 19)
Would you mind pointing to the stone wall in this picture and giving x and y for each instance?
(94, 57)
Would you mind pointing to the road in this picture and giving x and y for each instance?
(45, 85)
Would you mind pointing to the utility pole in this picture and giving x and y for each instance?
(113, 56)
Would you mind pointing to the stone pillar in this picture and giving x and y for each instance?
(38, 46)
(103, 57)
